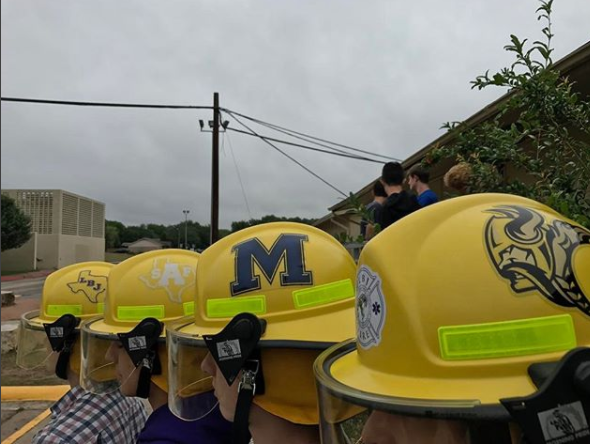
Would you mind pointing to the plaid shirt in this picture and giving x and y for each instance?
(84, 418)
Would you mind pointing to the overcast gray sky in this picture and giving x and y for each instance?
(378, 75)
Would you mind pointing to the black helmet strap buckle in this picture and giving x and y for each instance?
(235, 350)
(141, 345)
(62, 337)
(250, 379)
(559, 412)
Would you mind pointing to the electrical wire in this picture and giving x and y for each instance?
(349, 156)
(231, 149)
(291, 132)
(285, 154)
(103, 104)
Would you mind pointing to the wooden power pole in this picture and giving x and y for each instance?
(214, 234)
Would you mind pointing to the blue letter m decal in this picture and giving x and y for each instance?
(288, 248)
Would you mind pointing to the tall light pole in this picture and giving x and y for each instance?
(185, 228)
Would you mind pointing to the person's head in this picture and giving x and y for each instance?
(124, 368)
(487, 316)
(125, 349)
(417, 175)
(458, 177)
(378, 190)
(268, 302)
(50, 335)
(392, 174)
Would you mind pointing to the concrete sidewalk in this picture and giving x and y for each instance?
(25, 411)
(29, 275)
(21, 420)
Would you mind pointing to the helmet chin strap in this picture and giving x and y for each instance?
(62, 337)
(246, 393)
(150, 365)
(141, 345)
(235, 351)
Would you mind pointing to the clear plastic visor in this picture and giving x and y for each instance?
(344, 421)
(349, 416)
(33, 347)
(106, 367)
(190, 390)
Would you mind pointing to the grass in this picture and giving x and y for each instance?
(13, 375)
(115, 258)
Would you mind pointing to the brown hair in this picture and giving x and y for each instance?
(458, 177)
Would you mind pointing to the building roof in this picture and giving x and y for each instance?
(157, 242)
(575, 65)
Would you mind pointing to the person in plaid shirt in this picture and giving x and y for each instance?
(83, 417)
(50, 336)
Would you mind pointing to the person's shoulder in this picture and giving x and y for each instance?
(427, 197)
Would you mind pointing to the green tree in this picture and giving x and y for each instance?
(112, 239)
(240, 225)
(16, 225)
(112, 233)
(547, 141)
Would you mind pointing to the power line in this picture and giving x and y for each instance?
(103, 104)
(283, 129)
(285, 154)
(341, 154)
(231, 149)
(292, 133)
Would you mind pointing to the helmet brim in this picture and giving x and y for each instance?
(340, 372)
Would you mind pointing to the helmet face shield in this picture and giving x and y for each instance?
(100, 353)
(190, 389)
(345, 420)
(34, 349)
(348, 415)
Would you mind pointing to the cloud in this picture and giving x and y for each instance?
(379, 75)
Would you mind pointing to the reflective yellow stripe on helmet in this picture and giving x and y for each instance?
(229, 307)
(188, 308)
(62, 309)
(323, 294)
(509, 338)
(140, 312)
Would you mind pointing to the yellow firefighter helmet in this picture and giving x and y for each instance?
(298, 281)
(76, 292)
(145, 291)
(455, 304)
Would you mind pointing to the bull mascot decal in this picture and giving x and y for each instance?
(535, 254)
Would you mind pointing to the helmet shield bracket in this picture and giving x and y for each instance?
(62, 336)
(61, 333)
(233, 346)
(561, 406)
(141, 345)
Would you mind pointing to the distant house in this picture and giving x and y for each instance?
(146, 244)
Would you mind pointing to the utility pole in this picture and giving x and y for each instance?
(186, 228)
(214, 234)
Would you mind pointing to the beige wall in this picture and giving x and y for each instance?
(47, 245)
(56, 251)
(21, 259)
(73, 249)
